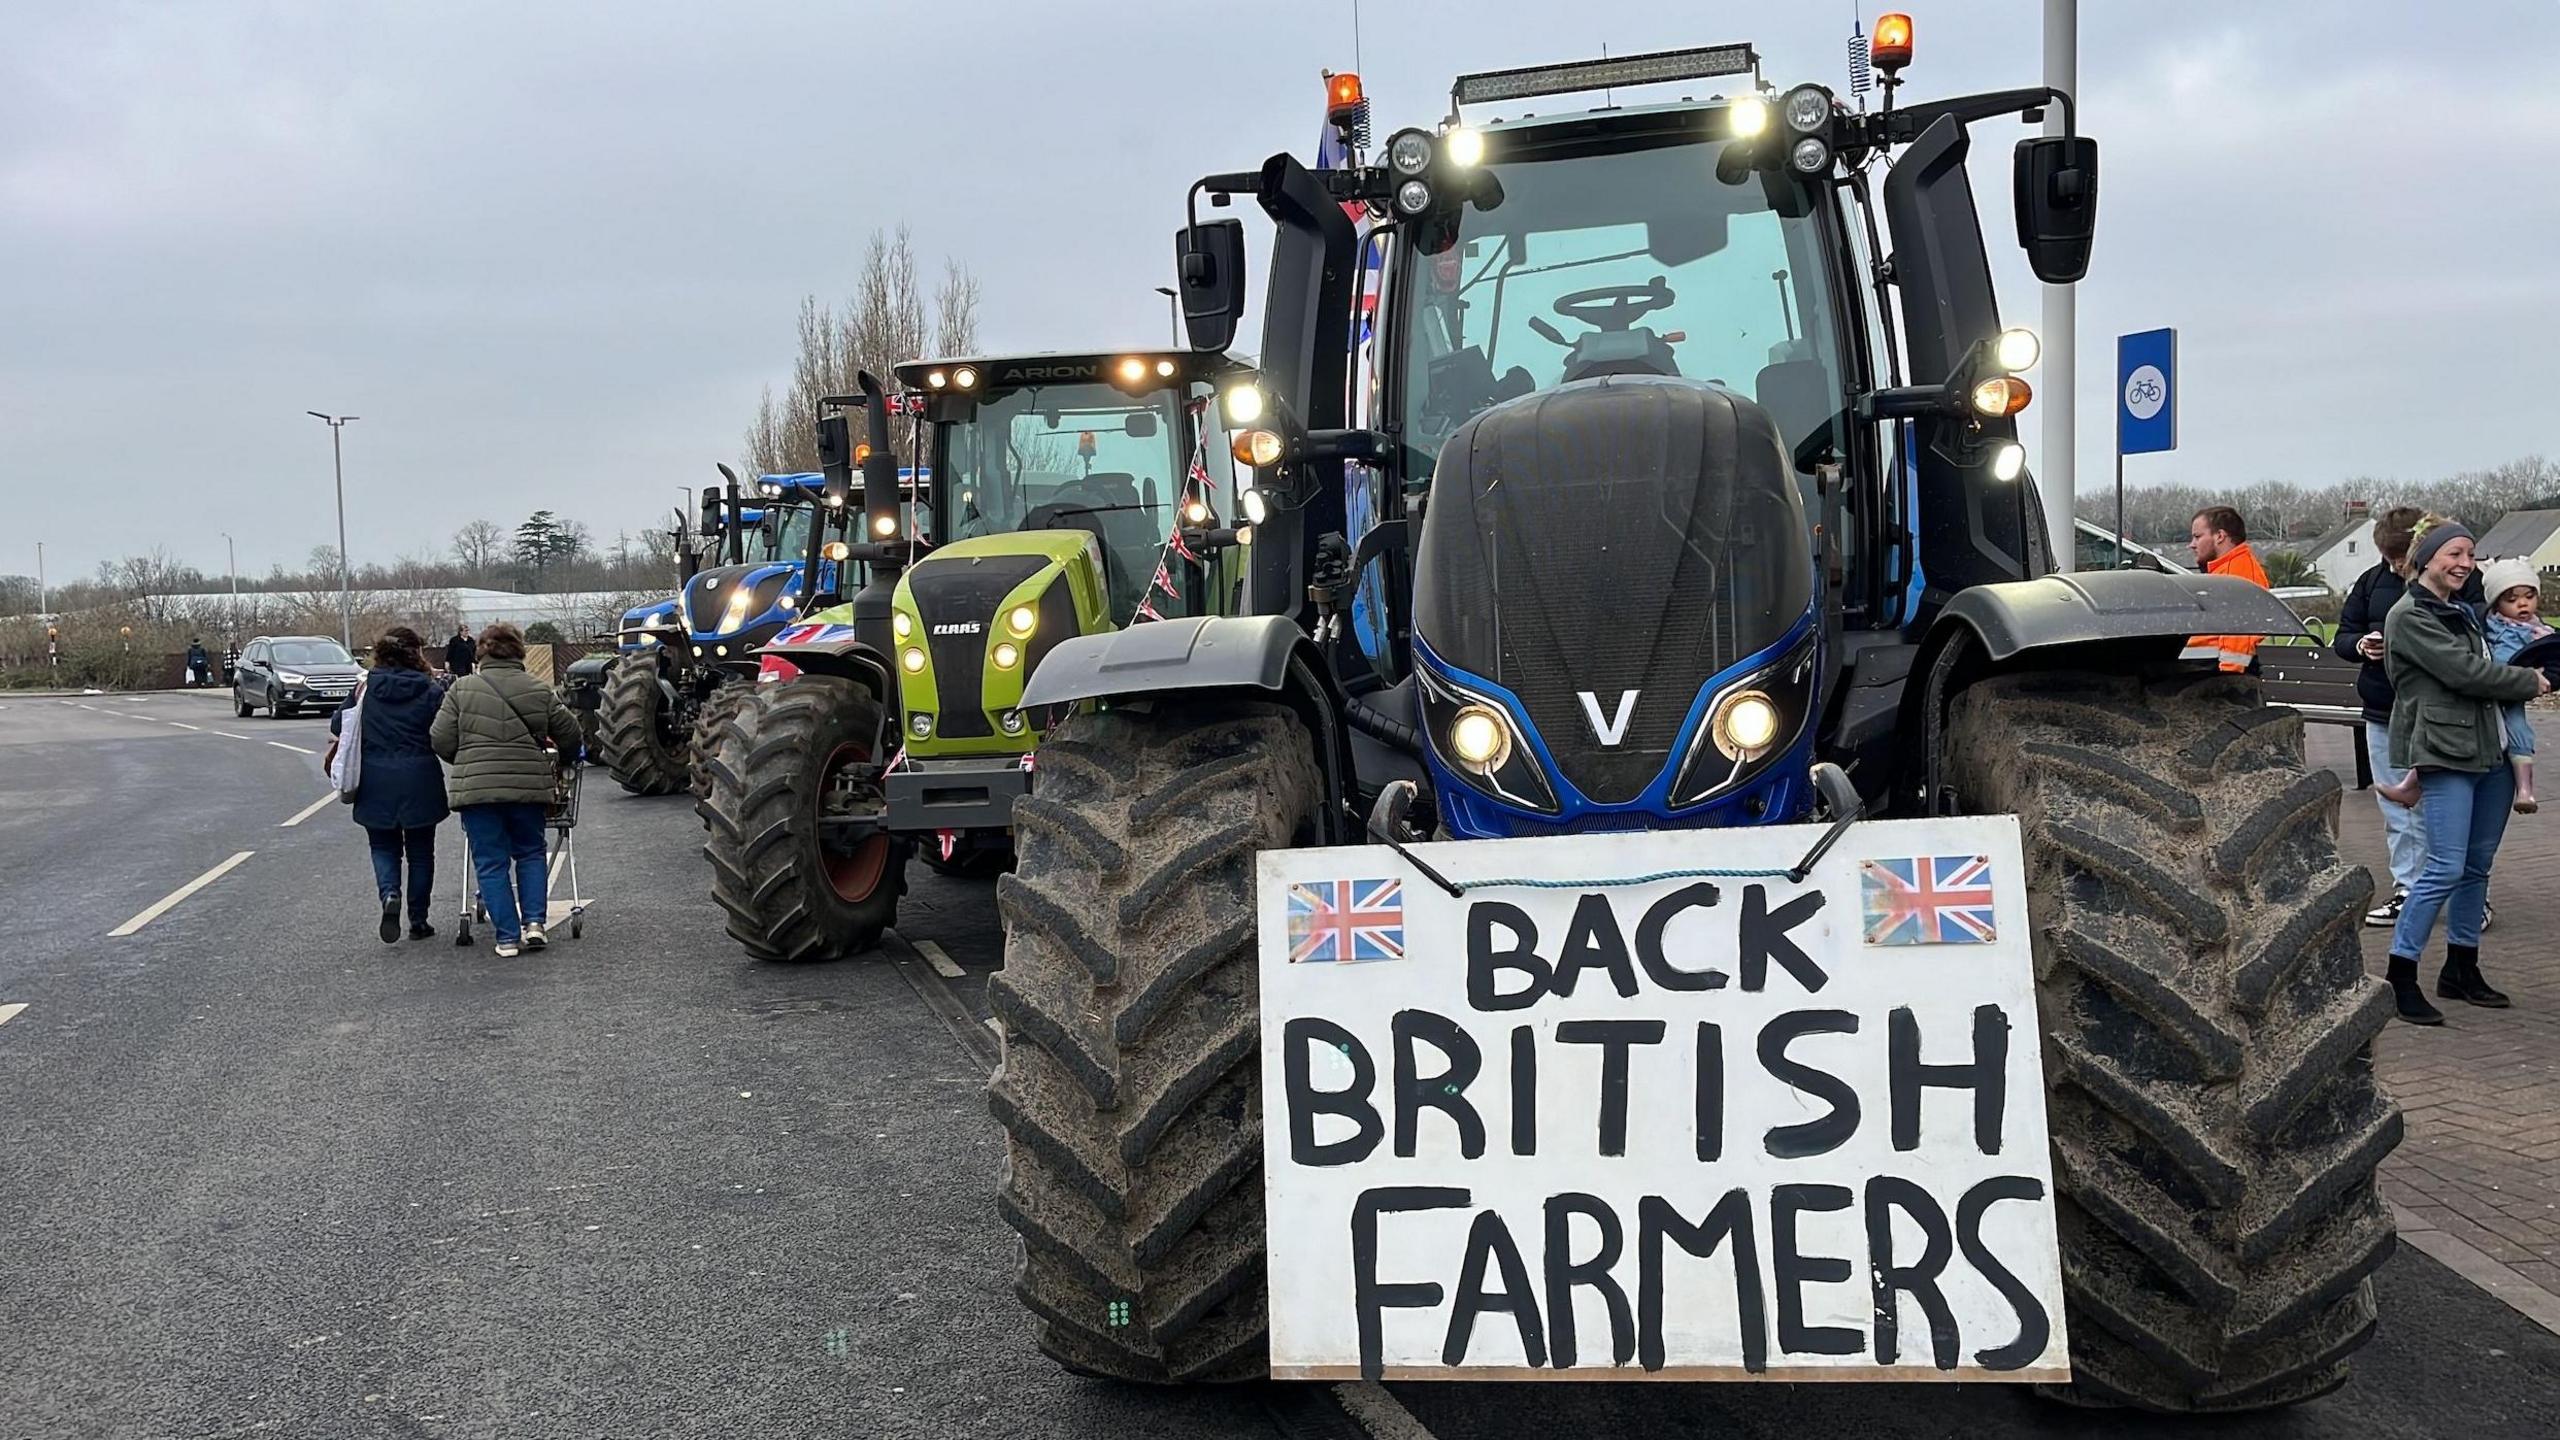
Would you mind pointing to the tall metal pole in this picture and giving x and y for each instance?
(2061, 324)
(42, 609)
(338, 458)
(231, 562)
(1172, 310)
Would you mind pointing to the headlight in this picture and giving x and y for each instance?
(1244, 404)
(1747, 116)
(1463, 146)
(1479, 738)
(1258, 448)
(789, 602)
(966, 377)
(1195, 511)
(920, 724)
(884, 526)
(936, 380)
(1810, 155)
(289, 677)
(901, 625)
(1256, 509)
(2001, 395)
(1408, 152)
(1007, 655)
(1133, 370)
(647, 639)
(1745, 724)
(2009, 461)
(1413, 197)
(1021, 620)
(1807, 109)
(2016, 350)
(912, 658)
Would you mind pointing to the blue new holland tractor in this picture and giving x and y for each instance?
(685, 663)
(1676, 483)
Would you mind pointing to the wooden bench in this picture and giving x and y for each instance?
(2315, 682)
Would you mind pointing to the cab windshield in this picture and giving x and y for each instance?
(310, 652)
(1081, 456)
(1622, 261)
(787, 533)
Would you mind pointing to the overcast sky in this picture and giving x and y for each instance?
(550, 253)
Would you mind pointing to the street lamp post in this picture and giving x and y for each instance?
(1172, 310)
(338, 457)
(231, 563)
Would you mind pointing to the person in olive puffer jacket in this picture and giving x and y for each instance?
(506, 734)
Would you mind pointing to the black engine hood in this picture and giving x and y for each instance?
(1631, 533)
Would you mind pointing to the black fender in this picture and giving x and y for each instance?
(1264, 655)
(2119, 620)
(834, 650)
(582, 685)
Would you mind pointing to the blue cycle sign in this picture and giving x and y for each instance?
(2147, 400)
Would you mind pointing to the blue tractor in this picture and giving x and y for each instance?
(1670, 499)
(684, 664)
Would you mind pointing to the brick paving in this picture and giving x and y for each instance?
(2481, 1163)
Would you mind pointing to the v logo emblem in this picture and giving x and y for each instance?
(1613, 729)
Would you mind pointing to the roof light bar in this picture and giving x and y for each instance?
(1660, 66)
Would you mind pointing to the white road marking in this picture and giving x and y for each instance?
(314, 809)
(183, 725)
(182, 892)
(943, 965)
(296, 749)
(1379, 1413)
(227, 735)
(10, 1012)
(87, 707)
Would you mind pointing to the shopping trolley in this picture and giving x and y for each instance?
(560, 818)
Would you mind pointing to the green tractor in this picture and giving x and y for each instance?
(1057, 496)
(1669, 501)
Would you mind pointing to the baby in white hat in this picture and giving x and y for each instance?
(2514, 592)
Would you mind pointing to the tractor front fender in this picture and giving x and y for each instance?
(831, 649)
(2106, 606)
(1266, 655)
(2107, 620)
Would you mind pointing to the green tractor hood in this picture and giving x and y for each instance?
(973, 619)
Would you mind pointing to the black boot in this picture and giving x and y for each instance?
(2460, 979)
(2414, 1008)
(390, 919)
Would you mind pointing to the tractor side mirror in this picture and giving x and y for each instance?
(1140, 425)
(709, 524)
(2056, 181)
(1209, 271)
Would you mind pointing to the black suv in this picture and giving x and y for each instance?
(283, 673)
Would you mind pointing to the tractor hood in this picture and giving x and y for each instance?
(1599, 551)
(965, 605)
(733, 600)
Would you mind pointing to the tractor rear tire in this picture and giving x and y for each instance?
(1130, 1085)
(2209, 1027)
(635, 745)
(710, 721)
(788, 898)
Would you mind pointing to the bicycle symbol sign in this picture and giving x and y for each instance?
(2145, 391)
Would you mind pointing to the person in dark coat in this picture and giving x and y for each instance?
(507, 735)
(199, 668)
(460, 654)
(400, 797)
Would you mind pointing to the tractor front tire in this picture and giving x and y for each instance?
(1130, 1088)
(635, 745)
(2208, 1026)
(788, 897)
(711, 721)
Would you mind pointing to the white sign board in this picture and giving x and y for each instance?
(1650, 1123)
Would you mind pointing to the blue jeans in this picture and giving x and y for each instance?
(2466, 816)
(420, 845)
(508, 838)
(2519, 731)
(2404, 831)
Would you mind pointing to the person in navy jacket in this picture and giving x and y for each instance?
(400, 797)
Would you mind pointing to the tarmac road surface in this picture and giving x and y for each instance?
(262, 1175)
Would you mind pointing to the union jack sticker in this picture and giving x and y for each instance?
(1928, 900)
(1346, 921)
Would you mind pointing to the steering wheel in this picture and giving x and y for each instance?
(1611, 309)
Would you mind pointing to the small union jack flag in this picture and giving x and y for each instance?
(1346, 921)
(1929, 900)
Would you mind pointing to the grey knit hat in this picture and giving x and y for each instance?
(2435, 538)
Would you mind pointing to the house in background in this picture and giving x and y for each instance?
(2345, 552)
(2530, 535)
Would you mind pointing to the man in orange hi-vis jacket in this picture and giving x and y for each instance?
(2220, 540)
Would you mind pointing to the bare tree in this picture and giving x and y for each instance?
(478, 545)
(888, 320)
